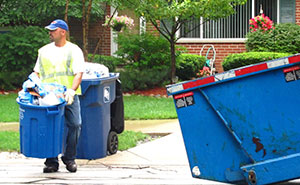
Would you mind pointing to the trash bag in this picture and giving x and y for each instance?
(117, 110)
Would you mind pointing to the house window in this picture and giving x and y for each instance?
(237, 26)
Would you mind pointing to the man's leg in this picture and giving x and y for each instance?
(73, 123)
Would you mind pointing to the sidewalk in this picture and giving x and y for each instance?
(162, 161)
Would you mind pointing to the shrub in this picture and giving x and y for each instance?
(242, 59)
(109, 61)
(18, 51)
(188, 65)
(147, 61)
(144, 51)
(284, 38)
(135, 79)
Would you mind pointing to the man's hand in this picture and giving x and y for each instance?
(69, 96)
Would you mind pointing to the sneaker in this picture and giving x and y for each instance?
(50, 169)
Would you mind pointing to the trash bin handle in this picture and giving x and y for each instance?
(49, 112)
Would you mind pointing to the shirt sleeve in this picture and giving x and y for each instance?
(78, 61)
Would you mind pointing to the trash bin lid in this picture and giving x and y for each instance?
(233, 74)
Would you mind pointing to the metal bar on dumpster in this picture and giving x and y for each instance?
(231, 74)
(225, 123)
(273, 170)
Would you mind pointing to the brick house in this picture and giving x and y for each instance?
(226, 35)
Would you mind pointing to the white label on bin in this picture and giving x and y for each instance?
(184, 100)
(21, 113)
(277, 63)
(292, 73)
(106, 94)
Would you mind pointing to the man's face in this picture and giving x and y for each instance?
(56, 35)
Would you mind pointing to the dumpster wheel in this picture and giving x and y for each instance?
(112, 143)
(252, 177)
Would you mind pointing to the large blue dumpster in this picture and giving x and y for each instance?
(243, 124)
(41, 130)
(97, 96)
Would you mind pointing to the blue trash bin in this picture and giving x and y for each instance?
(41, 130)
(97, 96)
(243, 124)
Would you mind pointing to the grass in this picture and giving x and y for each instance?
(10, 140)
(135, 108)
(145, 107)
(129, 139)
(9, 109)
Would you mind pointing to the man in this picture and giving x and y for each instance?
(62, 62)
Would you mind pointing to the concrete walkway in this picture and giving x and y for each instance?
(161, 161)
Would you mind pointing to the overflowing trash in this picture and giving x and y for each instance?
(94, 70)
(43, 94)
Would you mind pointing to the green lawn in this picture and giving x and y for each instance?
(135, 107)
(145, 107)
(9, 109)
(10, 140)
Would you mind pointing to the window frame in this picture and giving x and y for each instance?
(223, 40)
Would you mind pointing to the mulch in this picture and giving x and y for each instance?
(158, 92)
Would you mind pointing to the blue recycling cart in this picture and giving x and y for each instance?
(41, 130)
(95, 102)
(243, 125)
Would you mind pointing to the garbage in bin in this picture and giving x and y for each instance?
(44, 94)
(94, 70)
(243, 124)
(95, 103)
(41, 114)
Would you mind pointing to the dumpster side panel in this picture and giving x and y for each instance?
(263, 111)
(209, 145)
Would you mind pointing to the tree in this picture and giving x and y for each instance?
(37, 12)
(169, 16)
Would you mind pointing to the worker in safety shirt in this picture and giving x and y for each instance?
(62, 62)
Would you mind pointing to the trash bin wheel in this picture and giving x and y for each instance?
(112, 143)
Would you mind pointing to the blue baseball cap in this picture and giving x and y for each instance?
(58, 23)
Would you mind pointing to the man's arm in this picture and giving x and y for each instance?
(38, 74)
(77, 80)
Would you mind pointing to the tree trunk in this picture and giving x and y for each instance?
(66, 17)
(85, 27)
(84, 33)
(173, 62)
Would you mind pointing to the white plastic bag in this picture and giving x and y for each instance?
(94, 70)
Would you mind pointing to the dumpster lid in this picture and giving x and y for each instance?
(173, 89)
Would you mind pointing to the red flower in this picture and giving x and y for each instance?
(260, 22)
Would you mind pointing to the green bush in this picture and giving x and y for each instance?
(144, 51)
(109, 61)
(146, 61)
(135, 79)
(285, 39)
(188, 65)
(242, 59)
(18, 51)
